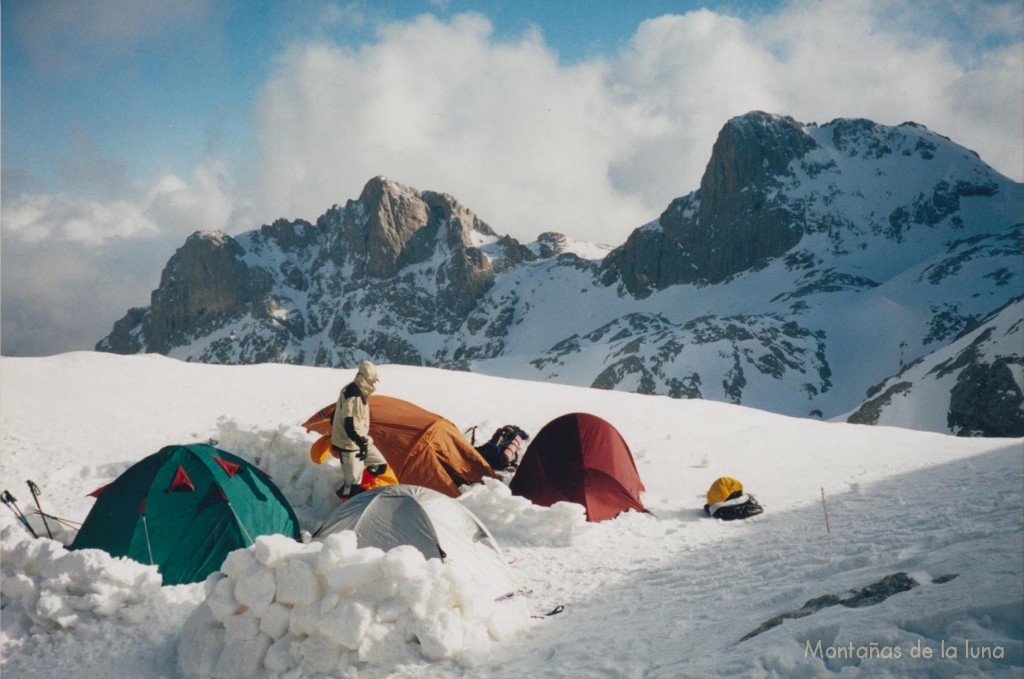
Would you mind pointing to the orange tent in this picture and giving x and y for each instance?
(423, 449)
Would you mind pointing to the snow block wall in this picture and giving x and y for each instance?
(331, 608)
(515, 520)
(46, 587)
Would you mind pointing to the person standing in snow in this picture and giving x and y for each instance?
(350, 434)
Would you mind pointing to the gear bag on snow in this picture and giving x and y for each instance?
(502, 450)
(728, 502)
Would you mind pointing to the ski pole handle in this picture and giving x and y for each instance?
(12, 504)
(35, 496)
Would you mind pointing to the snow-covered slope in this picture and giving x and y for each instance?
(813, 263)
(969, 386)
(667, 594)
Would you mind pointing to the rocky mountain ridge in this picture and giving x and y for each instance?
(813, 264)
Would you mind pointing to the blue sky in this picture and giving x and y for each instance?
(128, 124)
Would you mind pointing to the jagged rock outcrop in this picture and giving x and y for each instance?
(734, 222)
(987, 400)
(205, 282)
(404, 257)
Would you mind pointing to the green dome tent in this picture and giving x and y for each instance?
(184, 509)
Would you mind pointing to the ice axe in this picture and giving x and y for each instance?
(35, 496)
(12, 503)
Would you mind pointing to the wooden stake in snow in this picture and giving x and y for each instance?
(825, 509)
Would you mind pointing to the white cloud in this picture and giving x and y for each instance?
(597, 148)
(504, 127)
(73, 265)
(36, 216)
(169, 206)
(62, 295)
(207, 204)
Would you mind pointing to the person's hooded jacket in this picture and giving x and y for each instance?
(351, 430)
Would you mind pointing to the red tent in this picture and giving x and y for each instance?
(583, 459)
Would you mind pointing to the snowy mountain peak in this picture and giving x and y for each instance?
(773, 183)
(813, 263)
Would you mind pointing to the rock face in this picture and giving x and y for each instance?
(987, 401)
(205, 283)
(404, 258)
(975, 382)
(844, 271)
(736, 220)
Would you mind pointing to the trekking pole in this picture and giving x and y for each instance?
(12, 503)
(34, 489)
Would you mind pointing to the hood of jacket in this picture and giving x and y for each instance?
(367, 378)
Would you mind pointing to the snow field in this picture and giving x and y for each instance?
(667, 594)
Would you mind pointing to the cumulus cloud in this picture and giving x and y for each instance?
(444, 106)
(599, 147)
(169, 206)
(35, 217)
(210, 202)
(72, 265)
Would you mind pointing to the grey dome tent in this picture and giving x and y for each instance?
(438, 526)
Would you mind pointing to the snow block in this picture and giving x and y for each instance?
(361, 568)
(256, 587)
(347, 624)
(240, 660)
(271, 550)
(403, 561)
(297, 583)
(441, 637)
(274, 620)
(335, 549)
(221, 600)
(238, 562)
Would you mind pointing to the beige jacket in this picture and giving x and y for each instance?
(351, 430)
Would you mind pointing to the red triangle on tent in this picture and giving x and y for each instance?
(230, 468)
(99, 491)
(181, 482)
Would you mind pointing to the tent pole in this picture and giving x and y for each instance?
(242, 525)
(145, 529)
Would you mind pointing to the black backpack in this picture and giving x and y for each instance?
(744, 510)
(502, 450)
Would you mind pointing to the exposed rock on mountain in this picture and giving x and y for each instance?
(974, 382)
(205, 283)
(812, 263)
(395, 263)
(736, 221)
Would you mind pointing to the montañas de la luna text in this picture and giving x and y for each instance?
(874, 650)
